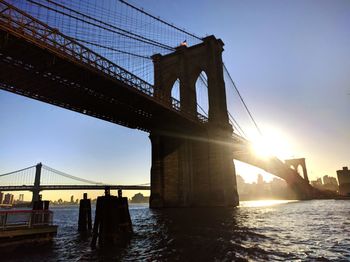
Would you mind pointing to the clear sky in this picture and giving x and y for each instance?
(290, 60)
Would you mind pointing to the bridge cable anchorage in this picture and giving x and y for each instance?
(160, 20)
(71, 177)
(17, 171)
(122, 32)
(242, 100)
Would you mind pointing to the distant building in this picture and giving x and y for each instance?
(241, 185)
(1, 197)
(139, 198)
(8, 199)
(260, 179)
(275, 189)
(317, 183)
(344, 181)
(330, 183)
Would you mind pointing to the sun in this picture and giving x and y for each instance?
(273, 143)
(262, 148)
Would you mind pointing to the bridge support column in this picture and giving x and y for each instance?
(192, 165)
(295, 163)
(36, 188)
(189, 172)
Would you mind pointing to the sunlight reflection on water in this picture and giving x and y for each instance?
(264, 203)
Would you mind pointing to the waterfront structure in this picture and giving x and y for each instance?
(344, 181)
(20, 227)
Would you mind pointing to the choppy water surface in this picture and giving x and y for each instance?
(256, 231)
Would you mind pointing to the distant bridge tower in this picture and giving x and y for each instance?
(36, 188)
(295, 163)
(192, 166)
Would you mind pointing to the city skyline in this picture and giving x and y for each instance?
(295, 81)
(323, 183)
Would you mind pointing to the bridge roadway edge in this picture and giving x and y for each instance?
(38, 74)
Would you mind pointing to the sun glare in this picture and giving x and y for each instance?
(262, 148)
(273, 144)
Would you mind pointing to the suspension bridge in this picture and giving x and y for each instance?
(40, 177)
(118, 63)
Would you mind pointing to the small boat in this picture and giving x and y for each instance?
(22, 227)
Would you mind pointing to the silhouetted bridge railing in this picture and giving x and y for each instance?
(24, 26)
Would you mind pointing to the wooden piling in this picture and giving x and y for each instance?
(84, 223)
(40, 205)
(112, 224)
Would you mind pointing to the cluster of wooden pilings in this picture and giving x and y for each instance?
(40, 204)
(39, 217)
(112, 225)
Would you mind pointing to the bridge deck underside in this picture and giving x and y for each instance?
(31, 71)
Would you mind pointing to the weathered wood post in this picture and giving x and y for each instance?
(84, 223)
(124, 215)
(112, 226)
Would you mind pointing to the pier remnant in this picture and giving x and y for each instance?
(84, 223)
(112, 225)
(40, 205)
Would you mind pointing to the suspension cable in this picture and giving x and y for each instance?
(160, 20)
(239, 128)
(242, 100)
(123, 32)
(70, 176)
(111, 48)
(6, 174)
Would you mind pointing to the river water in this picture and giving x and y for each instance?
(316, 230)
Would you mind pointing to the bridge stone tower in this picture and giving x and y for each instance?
(192, 166)
(36, 188)
(295, 163)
